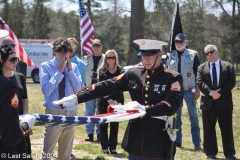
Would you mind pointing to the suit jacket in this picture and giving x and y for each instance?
(22, 68)
(227, 81)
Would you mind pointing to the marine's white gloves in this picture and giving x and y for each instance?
(67, 101)
(133, 106)
(27, 118)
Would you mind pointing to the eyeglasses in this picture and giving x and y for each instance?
(210, 52)
(177, 41)
(14, 59)
(5, 46)
(112, 58)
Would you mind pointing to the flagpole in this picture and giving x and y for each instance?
(81, 53)
(173, 20)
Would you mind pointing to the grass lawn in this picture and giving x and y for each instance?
(86, 150)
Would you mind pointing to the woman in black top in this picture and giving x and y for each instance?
(109, 69)
(8, 63)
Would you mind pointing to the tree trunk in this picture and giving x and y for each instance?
(136, 29)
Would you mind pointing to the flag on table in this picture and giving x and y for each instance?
(23, 56)
(176, 27)
(86, 29)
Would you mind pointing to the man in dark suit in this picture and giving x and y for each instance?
(216, 79)
(22, 68)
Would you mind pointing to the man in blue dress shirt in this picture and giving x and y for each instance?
(59, 77)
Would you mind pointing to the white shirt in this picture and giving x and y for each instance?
(217, 64)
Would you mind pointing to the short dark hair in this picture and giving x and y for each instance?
(62, 45)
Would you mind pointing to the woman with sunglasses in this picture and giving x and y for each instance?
(109, 68)
(9, 62)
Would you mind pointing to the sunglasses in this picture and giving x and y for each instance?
(210, 52)
(73, 45)
(13, 59)
(177, 41)
(5, 46)
(97, 45)
(113, 58)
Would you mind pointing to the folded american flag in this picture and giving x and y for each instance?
(48, 119)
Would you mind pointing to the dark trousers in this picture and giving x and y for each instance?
(111, 141)
(24, 147)
(224, 118)
(5, 152)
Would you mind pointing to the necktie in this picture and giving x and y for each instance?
(214, 76)
(62, 90)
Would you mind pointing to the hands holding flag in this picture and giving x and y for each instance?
(67, 101)
(130, 107)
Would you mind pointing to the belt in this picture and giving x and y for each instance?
(165, 118)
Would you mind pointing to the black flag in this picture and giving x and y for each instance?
(176, 27)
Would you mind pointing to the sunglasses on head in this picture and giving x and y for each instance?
(5, 46)
(113, 58)
(210, 52)
(13, 59)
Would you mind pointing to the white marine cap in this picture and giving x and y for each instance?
(149, 47)
(3, 34)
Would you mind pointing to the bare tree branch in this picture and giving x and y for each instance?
(220, 4)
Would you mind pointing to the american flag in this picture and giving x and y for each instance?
(18, 49)
(86, 29)
(48, 119)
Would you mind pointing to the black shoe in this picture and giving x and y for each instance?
(105, 152)
(72, 156)
(113, 152)
(197, 147)
(89, 138)
(212, 157)
(98, 138)
(179, 145)
(231, 157)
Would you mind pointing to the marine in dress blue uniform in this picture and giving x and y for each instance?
(159, 89)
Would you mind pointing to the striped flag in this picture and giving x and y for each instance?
(86, 29)
(176, 27)
(23, 56)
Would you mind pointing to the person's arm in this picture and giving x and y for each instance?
(203, 87)
(83, 69)
(103, 77)
(104, 88)
(75, 78)
(25, 95)
(224, 91)
(25, 106)
(49, 83)
(172, 100)
(196, 63)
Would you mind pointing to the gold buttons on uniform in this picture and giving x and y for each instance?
(148, 76)
(146, 102)
(146, 95)
(134, 87)
(148, 82)
(153, 71)
(146, 89)
(158, 92)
